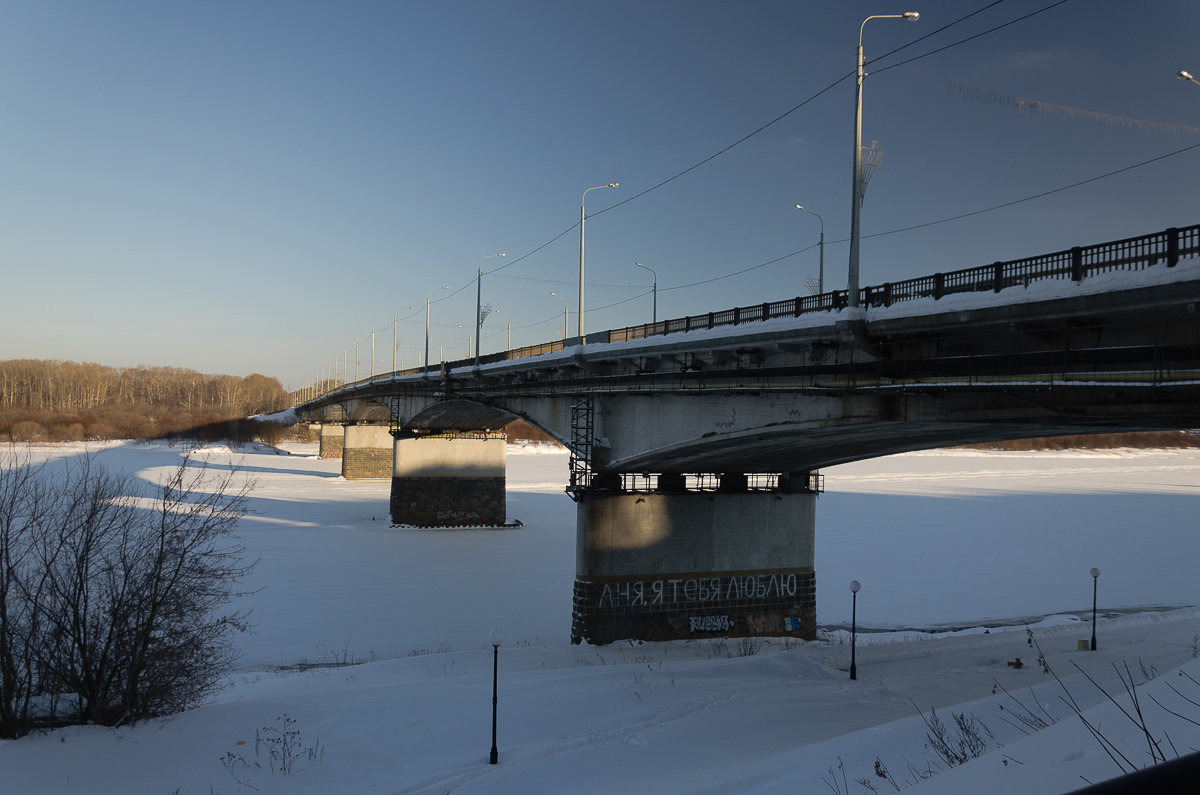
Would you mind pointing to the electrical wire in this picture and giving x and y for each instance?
(789, 112)
(972, 38)
(959, 217)
(1036, 195)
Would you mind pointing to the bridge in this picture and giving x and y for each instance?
(696, 443)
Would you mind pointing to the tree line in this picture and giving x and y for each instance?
(43, 400)
(1098, 441)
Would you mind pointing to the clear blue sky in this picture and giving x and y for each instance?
(239, 187)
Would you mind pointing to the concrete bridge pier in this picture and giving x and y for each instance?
(671, 563)
(367, 454)
(333, 439)
(449, 479)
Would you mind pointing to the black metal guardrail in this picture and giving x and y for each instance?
(1135, 253)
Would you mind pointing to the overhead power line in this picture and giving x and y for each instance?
(792, 110)
(981, 34)
(780, 118)
(959, 217)
(1036, 195)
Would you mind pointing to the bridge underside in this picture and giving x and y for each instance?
(882, 425)
(681, 556)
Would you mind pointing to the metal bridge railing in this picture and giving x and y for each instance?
(1135, 253)
(1167, 247)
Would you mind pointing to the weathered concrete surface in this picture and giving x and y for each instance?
(771, 397)
(333, 440)
(661, 566)
(449, 479)
(367, 454)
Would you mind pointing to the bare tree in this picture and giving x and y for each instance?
(116, 602)
(23, 506)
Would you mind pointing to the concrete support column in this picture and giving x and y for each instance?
(367, 454)
(333, 440)
(449, 479)
(665, 565)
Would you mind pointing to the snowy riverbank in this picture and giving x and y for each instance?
(945, 539)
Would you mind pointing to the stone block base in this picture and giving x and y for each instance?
(367, 463)
(716, 604)
(448, 501)
(331, 442)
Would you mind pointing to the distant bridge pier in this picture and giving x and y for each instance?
(670, 563)
(333, 439)
(367, 452)
(449, 479)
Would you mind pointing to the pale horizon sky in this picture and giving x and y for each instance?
(238, 187)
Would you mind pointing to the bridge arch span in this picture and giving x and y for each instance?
(714, 436)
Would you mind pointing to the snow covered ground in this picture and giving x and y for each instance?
(945, 540)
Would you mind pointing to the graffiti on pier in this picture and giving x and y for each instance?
(710, 623)
(635, 593)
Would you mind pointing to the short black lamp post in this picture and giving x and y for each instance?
(495, 639)
(1095, 581)
(854, 586)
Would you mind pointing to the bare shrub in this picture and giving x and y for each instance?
(957, 745)
(28, 431)
(746, 647)
(272, 433)
(111, 605)
(68, 432)
(521, 431)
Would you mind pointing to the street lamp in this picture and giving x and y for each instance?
(854, 586)
(821, 247)
(509, 348)
(856, 195)
(478, 308)
(1095, 581)
(1184, 74)
(495, 639)
(372, 368)
(395, 343)
(582, 220)
(444, 287)
(566, 313)
(654, 289)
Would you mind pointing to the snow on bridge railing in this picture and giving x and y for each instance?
(1135, 253)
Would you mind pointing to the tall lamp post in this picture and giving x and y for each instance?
(582, 221)
(395, 343)
(566, 314)
(1095, 584)
(1184, 74)
(478, 307)
(653, 290)
(856, 195)
(820, 246)
(854, 586)
(444, 287)
(495, 639)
